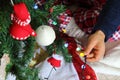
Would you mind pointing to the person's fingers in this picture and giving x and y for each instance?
(90, 55)
(91, 59)
(95, 56)
(89, 48)
(94, 59)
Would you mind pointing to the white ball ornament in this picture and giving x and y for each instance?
(45, 35)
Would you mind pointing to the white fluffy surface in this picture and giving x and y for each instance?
(65, 72)
(110, 64)
(11, 76)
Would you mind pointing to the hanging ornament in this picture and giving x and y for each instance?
(51, 22)
(81, 54)
(39, 4)
(66, 44)
(45, 35)
(20, 28)
(54, 23)
(35, 6)
(78, 49)
(55, 61)
(51, 10)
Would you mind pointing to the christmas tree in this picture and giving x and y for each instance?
(21, 51)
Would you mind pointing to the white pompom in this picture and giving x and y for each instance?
(45, 35)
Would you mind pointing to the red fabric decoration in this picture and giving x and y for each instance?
(21, 29)
(20, 11)
(21, 33)
(55, 60)
(77, 62)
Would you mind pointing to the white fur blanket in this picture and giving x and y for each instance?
(65, 72)
(110, 64)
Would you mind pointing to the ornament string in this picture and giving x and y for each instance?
(83, 68)
(12, 2)
(50, 73)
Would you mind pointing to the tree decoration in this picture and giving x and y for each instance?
(39, 4)
(78, 49)
(35, 6)
(55, 61)
(45, 35)
(21, 29)
(51, 10)
(51, 22)
(82, 54)
(40, 55)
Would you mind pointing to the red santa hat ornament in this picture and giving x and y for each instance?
(21, 29)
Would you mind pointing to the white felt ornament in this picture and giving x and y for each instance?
(45, 35)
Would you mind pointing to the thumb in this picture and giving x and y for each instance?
(88, 48)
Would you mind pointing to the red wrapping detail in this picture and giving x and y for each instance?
(54, 62)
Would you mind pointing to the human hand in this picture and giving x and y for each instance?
(95, 48)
